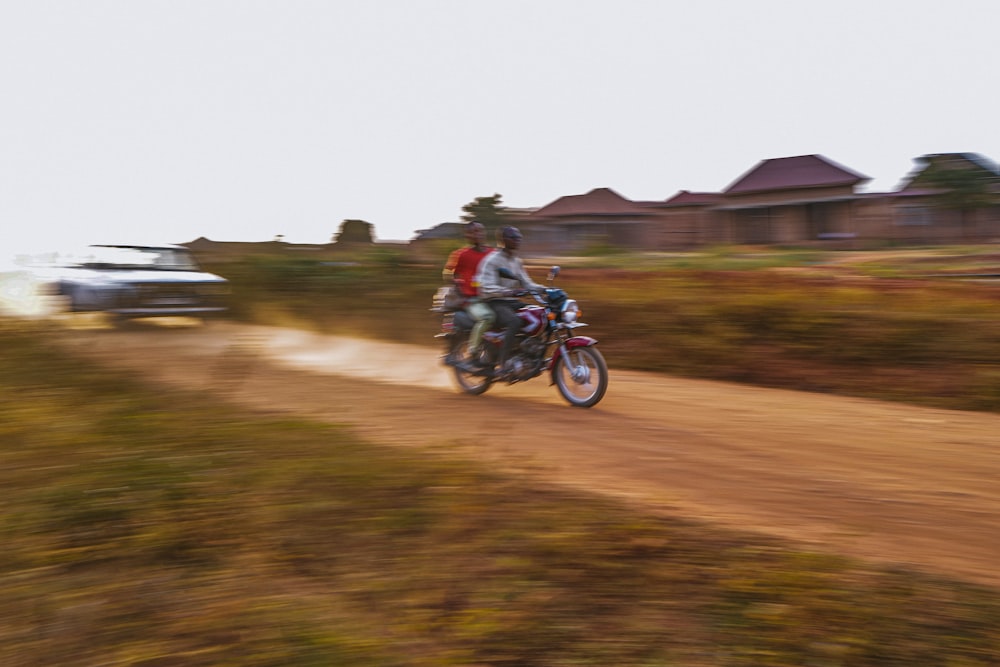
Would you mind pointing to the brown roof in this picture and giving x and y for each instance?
(803, 171)
(687, 198)
(599, 201)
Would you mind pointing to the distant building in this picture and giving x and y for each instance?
(799, 200)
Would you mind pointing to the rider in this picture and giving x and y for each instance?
(461, 268)
(501, 293)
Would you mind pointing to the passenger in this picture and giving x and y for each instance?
(461, 268)
(501, 293)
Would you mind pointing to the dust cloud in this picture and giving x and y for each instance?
(368, 359)
(24, 295)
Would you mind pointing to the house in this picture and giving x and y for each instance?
(576, 222)
(688, 219)
(782, 200)
(930, 208)
(789, 200)
(800, 200)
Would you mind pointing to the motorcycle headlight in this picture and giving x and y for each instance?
(570, 311)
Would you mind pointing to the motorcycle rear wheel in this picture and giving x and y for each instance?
(582, 378)
(470, 383)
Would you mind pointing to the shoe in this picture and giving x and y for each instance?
(474, 368)
(504, 373)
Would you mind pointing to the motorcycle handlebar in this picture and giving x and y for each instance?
(538, 295)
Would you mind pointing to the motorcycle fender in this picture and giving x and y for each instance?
(575, 341)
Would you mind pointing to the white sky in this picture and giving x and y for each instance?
(240, 120)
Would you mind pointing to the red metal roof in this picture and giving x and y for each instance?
(803, 171)
(599, 201)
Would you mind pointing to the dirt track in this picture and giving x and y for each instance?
(882, 481)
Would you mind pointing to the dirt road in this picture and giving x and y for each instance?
(882, 481)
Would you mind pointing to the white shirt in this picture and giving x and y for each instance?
(492, 286)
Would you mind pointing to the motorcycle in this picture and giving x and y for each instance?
(545, 342)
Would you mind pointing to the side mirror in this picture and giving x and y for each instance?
(553, 272)
(505, 273)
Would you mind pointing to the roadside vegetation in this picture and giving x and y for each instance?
(151, 527)
(887, 325)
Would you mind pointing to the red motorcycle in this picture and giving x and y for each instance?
(545, 342)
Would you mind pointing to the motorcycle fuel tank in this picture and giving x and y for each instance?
(533, 318)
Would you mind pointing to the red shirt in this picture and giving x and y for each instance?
(463, 264)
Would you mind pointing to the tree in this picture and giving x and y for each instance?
(355, 231)
(487, 210)
(962, 188)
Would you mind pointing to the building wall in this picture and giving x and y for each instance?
(574, 235)
(779, 217)
(899, 219)
(681, 228)
(864, 221)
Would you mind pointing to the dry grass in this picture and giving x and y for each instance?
(799, 320)
(156, 528)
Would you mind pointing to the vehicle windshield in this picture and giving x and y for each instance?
(121, 257)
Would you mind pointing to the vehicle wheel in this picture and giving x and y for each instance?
(470, 383)
(582, 376)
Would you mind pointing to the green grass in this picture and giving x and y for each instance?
(715, 258)
(148, 527)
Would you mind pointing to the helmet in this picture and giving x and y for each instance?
(507, 232)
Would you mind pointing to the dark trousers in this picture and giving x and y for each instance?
(508, 320)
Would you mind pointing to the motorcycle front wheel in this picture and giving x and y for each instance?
(581, 376)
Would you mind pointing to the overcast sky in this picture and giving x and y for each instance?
(240, 120)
